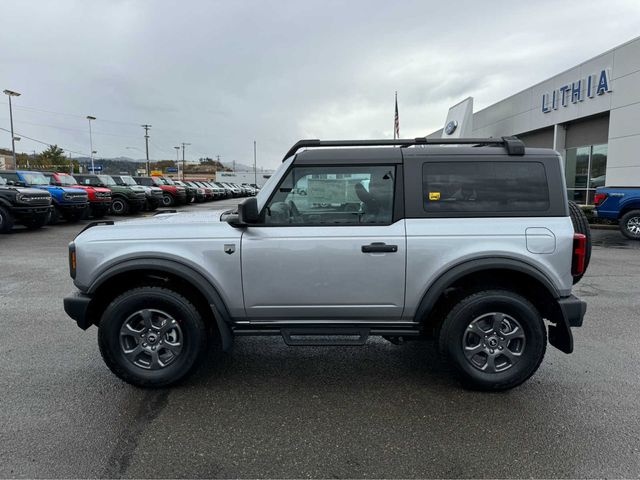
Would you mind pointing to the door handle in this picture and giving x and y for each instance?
(379, 247)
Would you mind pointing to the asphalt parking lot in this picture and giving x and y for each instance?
(267, 410)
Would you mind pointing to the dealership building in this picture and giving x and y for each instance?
(589, 113)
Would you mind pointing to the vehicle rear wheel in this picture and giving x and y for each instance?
(37, 221)
(630, 225)
(151, 337)
(581, 225)
(119, 206)
(6, 220)
(167, 200)
(495, 338)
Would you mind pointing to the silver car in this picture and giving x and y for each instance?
(473, 246)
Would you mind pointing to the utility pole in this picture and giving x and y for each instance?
(146, 144)
(89, 117)
(178, 162)
(183, 160)
(255, 165)
(10, 94)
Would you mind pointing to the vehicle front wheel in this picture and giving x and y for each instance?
(167, 200)
(36, 221)
(6, 220)
(630, 225)
(151, 336)
(495, 338)
(119, 206)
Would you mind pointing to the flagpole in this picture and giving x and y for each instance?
(395, 114)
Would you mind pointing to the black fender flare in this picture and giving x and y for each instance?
(463, 269)
(5, 203)
(185, 272)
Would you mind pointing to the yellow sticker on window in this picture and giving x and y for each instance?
(434, 196)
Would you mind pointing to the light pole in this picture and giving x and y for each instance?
(183, 161)
(11, 93)
(178, 162)
(89, 117)
(146, 144)
(255, 168)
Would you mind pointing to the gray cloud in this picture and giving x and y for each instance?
(221, 74)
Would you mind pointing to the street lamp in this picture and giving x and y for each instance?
(11, 93)
(89, 117)
(183, 161)
(178, 162)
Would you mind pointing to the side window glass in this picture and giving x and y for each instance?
(482, 187)
(333, 195)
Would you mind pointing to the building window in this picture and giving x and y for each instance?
(585, 169)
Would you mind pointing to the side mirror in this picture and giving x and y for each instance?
(248, 211)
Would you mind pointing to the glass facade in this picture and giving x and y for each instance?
(584, 169)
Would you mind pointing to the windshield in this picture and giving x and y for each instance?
(66, 180)
(128, 180)
(168, 181)
(161, 181)
(2, 181)
(35, 178)
(272, 181)
(107, 180)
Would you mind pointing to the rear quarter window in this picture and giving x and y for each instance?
(480, 188)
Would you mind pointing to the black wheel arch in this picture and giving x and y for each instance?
(186, 280)
(483, 273)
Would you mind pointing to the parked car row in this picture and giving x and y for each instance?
(34, 199)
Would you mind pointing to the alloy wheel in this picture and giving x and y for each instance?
(151, 339)
(493, 342)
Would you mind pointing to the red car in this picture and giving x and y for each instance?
(99, 197)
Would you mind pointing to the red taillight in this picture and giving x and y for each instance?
(579, 254)
(599, 198)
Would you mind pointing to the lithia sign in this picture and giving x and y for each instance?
(589, 87)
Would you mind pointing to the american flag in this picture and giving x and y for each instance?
(396, 121)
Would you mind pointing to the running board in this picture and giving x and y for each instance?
(324, 336)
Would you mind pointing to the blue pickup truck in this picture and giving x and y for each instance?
(69, 203)
(621, 204)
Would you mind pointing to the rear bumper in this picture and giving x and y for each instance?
(573, 310)
(76, 306)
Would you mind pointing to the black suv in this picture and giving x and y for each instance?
(29, 206)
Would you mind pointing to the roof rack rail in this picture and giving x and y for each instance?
(513, 145)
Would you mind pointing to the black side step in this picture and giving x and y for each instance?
(324, 336)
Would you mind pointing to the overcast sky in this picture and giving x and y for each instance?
(220, 74)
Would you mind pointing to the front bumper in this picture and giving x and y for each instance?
(21, 212)
(73, 207)
(76, 306)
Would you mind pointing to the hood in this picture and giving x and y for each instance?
(163, 227)
(91, 187)
(30, 191)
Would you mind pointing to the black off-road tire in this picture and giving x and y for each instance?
(119, 206)
(55, 216)
(6, 220)
(456, 330)
(36, 222)
(629, 221)
(168, 200)
(581, 225)
(158, 299)
(74, 217)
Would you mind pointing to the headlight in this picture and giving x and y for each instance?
(201, 190)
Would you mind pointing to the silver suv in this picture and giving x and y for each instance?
(473, 246)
